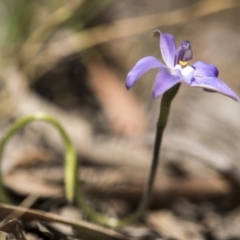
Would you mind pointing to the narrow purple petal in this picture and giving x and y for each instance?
(214, 84)
(168, 49)
(163, 81)
(203, 69)
(141, 67)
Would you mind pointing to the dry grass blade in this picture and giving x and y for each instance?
(126, 27)
(39, 35)
(26, 203)
(86, 229)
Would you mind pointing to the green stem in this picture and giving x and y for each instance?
(71, 178)
(70, 155)
(162, 122)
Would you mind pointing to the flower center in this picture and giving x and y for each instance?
(185, 73)
(182, 63)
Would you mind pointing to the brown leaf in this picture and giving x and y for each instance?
(23, 182)
(125, 114)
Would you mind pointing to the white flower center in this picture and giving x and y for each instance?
(186, 73)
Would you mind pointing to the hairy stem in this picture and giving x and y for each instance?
(72, 186)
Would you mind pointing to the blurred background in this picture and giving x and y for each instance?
(70, 58)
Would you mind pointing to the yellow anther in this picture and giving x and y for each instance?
(183, 64)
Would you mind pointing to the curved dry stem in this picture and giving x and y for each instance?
(71, 178)
(70, 155)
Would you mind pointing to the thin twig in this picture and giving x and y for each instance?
(87, 229)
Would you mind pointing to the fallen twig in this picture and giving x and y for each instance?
(86, 229)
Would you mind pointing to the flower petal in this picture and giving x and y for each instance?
(141, 67)
(168, 49)
(214, 84)
(203, 69)
(163, 81)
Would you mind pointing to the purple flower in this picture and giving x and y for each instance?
(175, 70)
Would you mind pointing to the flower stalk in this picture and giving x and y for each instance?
(143, 206)
(161, 125)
